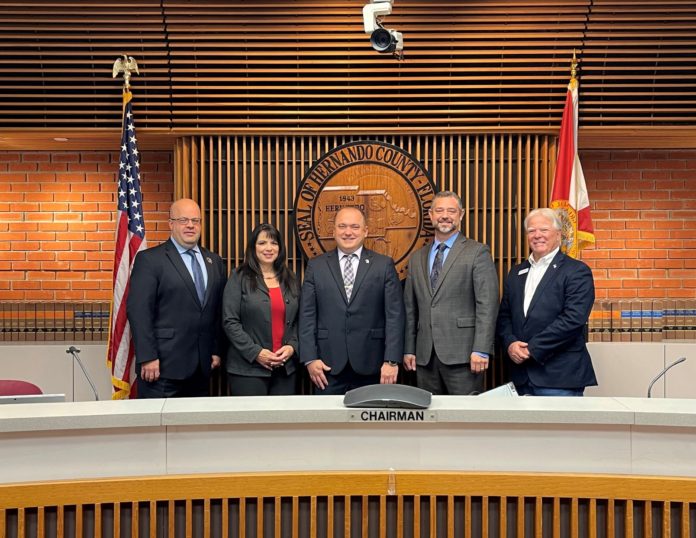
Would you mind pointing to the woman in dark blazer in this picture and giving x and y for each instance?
(260, 319)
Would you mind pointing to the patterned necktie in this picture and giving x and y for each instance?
(348, 274)
(197, 275)
(437, 265)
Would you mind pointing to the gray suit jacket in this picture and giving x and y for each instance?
(459, 317)
(247, 321)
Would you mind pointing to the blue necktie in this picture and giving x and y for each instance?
(197, 275)
(437, 265)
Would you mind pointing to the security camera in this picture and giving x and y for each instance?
(382, 40)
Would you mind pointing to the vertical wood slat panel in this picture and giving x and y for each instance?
(40, 524)
(371, 518)
(347, 514)
(330, 523)
(592, 519)
(502, 526)
(225, 518)
(467, 517)
(574, 514)
(295, 518)
(538, 518)
(60, 523)
(499, 177)
(78, 520)
(242, 517)
(647, 516)
(629, 519)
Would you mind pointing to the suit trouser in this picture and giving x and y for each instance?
(195, 385)
(277, 384)
(347, 379)
(455, 379)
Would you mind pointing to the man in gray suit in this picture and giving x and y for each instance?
(451, 298)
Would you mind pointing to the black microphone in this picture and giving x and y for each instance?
(663, 372)
(72, 350)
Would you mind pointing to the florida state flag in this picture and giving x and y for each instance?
(569, 194)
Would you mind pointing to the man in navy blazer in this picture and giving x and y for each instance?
(351, 323)
(174, 310)
(546, 303)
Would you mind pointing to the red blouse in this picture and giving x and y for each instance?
(277, 317)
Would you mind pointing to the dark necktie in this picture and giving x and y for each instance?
(437, 265)
(348, 274)
(197, 275)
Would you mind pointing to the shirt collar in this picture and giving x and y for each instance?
(449, 241)
(342, 254)
(544, 260)
(183, 249)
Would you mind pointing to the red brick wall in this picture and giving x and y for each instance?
(57, 225)
(57, 222)
(644, 213)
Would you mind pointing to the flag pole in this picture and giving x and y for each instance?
(569, 195)
(130, 239)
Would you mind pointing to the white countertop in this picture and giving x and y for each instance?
(329, 409)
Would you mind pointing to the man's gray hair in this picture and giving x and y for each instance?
(449, 194)
(546, 212)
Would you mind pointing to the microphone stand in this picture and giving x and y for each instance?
(72, 350)
(663, 372)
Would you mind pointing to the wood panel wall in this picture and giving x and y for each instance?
(369, 505)
(234, 66)
(241, 181)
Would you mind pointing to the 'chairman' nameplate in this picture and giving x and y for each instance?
(392, 415)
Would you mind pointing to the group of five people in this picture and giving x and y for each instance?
(351, 323)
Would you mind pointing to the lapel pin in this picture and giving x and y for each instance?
(554, 265)
(367, 261)
(210, 261)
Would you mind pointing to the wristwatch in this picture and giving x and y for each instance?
(391, 363)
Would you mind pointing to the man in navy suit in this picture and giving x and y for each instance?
(546, 303)
(351, 323)
(174, 310)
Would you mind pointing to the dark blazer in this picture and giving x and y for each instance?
(554, 325)
(166, 318)
(247, 322)
(459, 316)
(368, 330)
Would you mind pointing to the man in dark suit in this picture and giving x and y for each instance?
(451, 298)
(547, 300)
(174, 310)
(351, 323)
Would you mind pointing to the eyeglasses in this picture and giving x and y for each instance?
(184, 221)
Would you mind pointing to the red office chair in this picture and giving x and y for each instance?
(15, 387)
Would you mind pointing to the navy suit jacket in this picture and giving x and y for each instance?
(554, 326)
(365, 331)
(167, 320)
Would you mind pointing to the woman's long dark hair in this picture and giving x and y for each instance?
(251, 269)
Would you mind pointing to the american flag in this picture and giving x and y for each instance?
(130, 239)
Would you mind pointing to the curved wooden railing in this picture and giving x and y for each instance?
(367, 504)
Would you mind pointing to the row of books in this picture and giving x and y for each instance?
(643, 320)
(48, 322)
(610, 321)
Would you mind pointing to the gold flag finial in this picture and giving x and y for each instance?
(125, 65)
(573, 71)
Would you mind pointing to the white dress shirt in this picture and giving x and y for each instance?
(537, 271)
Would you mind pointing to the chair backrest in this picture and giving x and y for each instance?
(15, 387)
